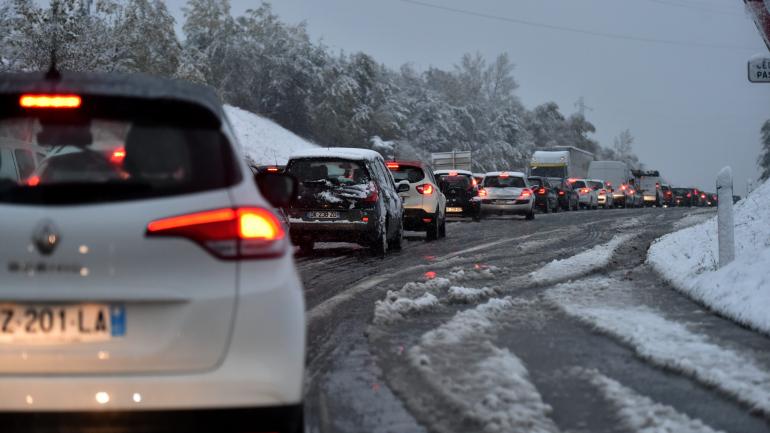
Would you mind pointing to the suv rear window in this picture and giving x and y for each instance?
(332, 171)
(409, 173)
(99, 160)
(535, 181)
(504, 182)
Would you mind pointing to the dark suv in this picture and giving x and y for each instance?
(565, 193)
(546, 196)
(345, 195)
(461, 190)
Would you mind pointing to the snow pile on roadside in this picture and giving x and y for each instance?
(580, 264)
(264, 141)
(689, 259)
(469, 322)
(604, 304)
(641, 414)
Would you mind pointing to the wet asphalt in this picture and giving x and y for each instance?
(359, 379)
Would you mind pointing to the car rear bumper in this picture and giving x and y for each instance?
(226, 420)
(585, 199)
(519, 207)
(417, 219)
(331, 231)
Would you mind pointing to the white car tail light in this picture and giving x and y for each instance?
(227, 233)
(425, 188)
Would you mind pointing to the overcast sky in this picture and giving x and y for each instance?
(685, 98)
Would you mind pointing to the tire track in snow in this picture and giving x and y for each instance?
(598, 302)
(639, 413)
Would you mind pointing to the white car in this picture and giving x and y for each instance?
(588, 197)
(146, 283)
(507, 192)
(604, 197)
(424, 203)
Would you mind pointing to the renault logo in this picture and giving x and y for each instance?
(46, 237)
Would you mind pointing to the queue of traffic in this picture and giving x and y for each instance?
(358, 196)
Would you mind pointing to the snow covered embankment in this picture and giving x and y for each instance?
(264, 141)
(689, 259)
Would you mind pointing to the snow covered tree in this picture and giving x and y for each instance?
(764, 156)
(147, 41)
(623, 150)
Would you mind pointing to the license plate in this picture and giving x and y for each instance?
(323, 215)
(505, 202)
(61, 323)
(454, 209)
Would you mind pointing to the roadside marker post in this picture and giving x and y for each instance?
(725, 220)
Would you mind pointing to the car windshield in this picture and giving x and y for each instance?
(579, 184)
(75, 163)
(332, 171)
(406, 172)
(504, 182)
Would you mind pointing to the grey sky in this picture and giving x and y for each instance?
(690, 108)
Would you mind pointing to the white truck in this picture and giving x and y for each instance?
(454, 160)
(649, 182)
(561, 162)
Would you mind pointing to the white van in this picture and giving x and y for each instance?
(615, 174)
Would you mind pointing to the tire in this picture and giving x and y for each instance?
(397, 241)
(379, 245)
(530, 216)
(432, 233)
(306, 247)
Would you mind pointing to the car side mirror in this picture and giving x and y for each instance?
(403, 186)
(277, 188)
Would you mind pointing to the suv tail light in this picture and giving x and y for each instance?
(561, 192)
(541, 191)
(241, 233)
(525, 194)
(482, 192)
(49, 101)
(374, 194)
(425, 188)
(584, 190)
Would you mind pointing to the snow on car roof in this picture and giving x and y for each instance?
(510, 173)
(351, 153)
(453, 171)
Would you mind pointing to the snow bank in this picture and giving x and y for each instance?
(394, 308)
(689, 259)
(641, 414)
(606, 305)
(580, 264)
(264, 141)
(469, 322)
(469, 295)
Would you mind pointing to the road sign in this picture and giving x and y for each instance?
(759, 69)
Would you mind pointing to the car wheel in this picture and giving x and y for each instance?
(395, 243)
(306, 247)
(379, 244)
(433, 228)
(531, 215)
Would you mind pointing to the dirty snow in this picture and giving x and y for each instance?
(469, 295)
(688, 259)
(264, 141)
(639, 413)
(394, 308)
(603, 304)
(489, 385)
(580, 264)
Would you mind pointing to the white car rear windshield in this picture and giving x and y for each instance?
(106, 160)
(504, 182)
(409, 173)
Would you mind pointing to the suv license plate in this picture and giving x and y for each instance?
(323, 215)
(52, 324)
(454, 209)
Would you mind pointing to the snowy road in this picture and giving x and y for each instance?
(508, 325)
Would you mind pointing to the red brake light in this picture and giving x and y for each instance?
(504, 174)
(118, 156)
(482, 192)
(561, 192)
(623, 187)
(585, 190)
(689, 195)
(272, 169)
(227, 233)
(33, 180)
(571, 180)
(392, 165)
(541, 191)
(525, 193)
(453, 173)
(703, 196)
(474, 182)
(49, 101)
(425, 188)
(609, 183)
